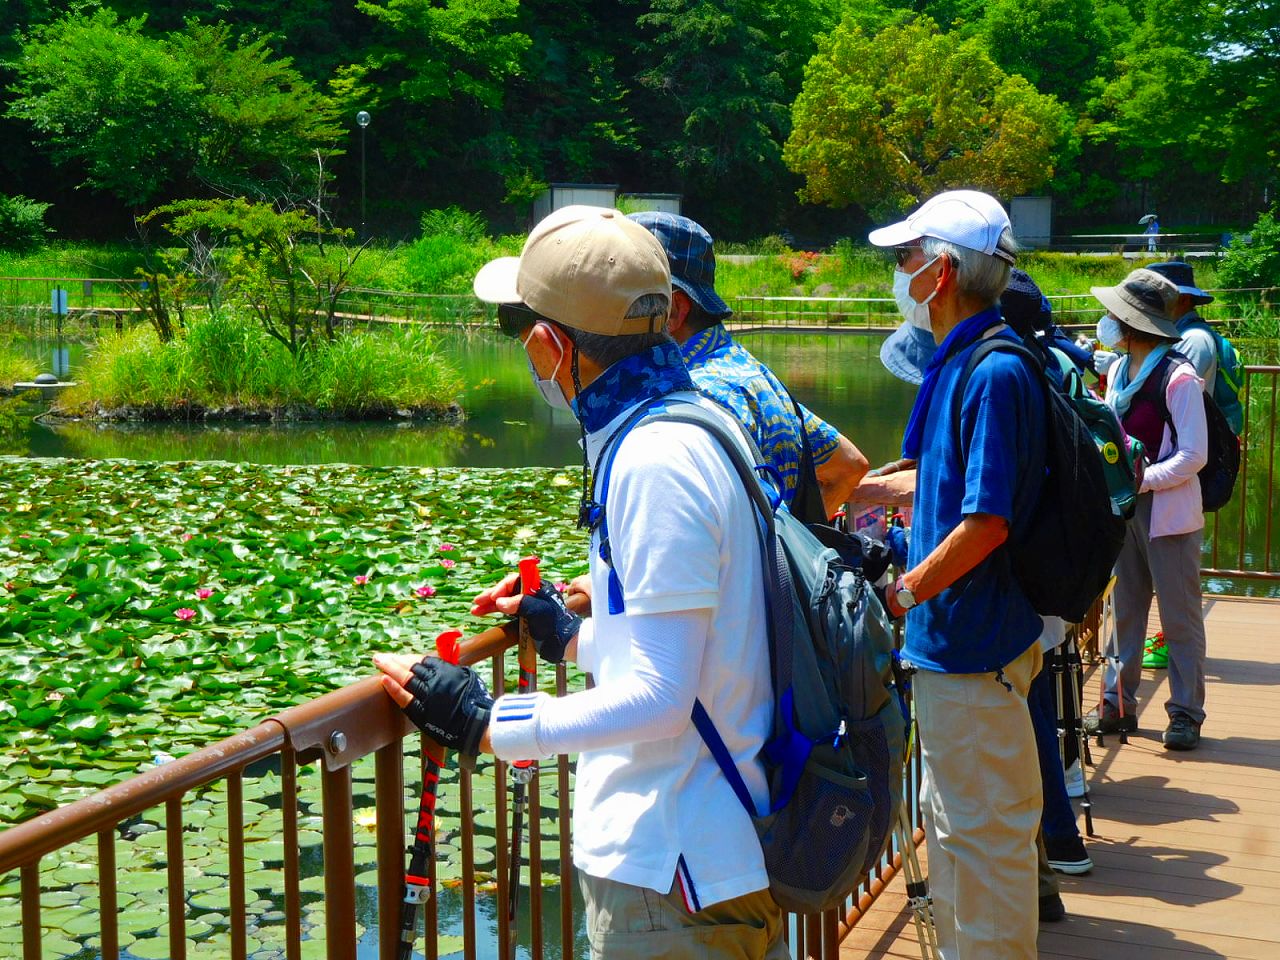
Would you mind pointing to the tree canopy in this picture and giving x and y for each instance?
(761, 113)
(884, 121)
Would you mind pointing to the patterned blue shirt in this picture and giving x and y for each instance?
(730, 375)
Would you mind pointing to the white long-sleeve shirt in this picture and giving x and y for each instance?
(650, 800)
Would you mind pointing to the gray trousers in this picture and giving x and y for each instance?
(1169, 567)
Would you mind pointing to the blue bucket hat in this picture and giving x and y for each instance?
(1183, 276)
(907, 351)
(693, 261)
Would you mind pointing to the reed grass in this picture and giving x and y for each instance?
(227, 361)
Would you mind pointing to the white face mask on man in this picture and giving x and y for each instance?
(548, 389)
(915, 313)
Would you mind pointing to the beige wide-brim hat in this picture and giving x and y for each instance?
(583, 267)
(1144, 300)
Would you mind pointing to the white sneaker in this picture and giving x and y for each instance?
(1075, 780)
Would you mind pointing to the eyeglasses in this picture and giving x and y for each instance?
(515, 318)
(903, 254)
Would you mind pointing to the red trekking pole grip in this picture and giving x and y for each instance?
(530, 576)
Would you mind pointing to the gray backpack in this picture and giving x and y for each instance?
(835, 753)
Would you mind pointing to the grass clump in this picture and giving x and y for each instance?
(225, 366)
(15, 366)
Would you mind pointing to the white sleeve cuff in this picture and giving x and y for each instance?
(586, 645)
(513, 730)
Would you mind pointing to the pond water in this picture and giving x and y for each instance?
(839, 376)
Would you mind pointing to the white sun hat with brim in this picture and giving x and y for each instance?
(967, 218)
(1143, 300)
(583, 267)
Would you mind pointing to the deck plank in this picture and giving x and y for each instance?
(1187, 857)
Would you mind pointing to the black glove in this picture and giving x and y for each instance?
(450, 704)
(550, 623)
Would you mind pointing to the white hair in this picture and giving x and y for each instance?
(982, 276)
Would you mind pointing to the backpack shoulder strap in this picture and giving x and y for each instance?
(983, 349)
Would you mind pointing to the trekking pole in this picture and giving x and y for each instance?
(1074, 668)
(417, 883)
(1057, 666)
(522, 771)
(918, 897)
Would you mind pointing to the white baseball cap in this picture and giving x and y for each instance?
(583, 267)
(967, 218)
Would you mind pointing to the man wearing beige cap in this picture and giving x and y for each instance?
(667, 857)
(1156, 393)
(971, 634)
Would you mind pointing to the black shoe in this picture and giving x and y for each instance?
(1183, 733)
(1110, 721)
(1068, 855)
(1051, 908)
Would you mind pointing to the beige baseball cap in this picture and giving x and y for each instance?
(583, 267)
(1144, 300)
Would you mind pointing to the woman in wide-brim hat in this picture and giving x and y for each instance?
(1156, 394)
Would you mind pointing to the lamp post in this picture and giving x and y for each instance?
(362, 120)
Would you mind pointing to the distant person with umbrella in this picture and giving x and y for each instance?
(1152, 231)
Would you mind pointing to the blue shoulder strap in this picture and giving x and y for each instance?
(789, 749)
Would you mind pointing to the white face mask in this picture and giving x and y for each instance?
(1109, 332)
(916, 314)
(548, 388)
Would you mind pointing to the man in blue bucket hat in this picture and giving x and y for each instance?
(1215, 360)
(730, 375)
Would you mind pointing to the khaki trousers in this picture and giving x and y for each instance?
(635, 923)
(982, 800)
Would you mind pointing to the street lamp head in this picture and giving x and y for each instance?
(363, 118)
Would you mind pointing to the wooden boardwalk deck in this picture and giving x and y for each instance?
(1187, 852)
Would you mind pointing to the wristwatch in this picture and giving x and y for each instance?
(903, 597)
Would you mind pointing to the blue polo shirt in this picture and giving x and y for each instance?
(994, 465)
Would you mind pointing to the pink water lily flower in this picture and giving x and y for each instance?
(446, 547)
(204, 593)
(426, 590)
(562, 586)
(188, 536)
(360, 579)
(448, 564)
(184, 613)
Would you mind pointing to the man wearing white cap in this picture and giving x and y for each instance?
(971, 631)
(667, 857)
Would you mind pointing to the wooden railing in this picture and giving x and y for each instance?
(333, 733)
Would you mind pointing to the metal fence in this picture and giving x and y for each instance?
(334, 732)
(1239, 538)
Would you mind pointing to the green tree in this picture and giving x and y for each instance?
(272, 262)
(1053, 43)
(144, 116)
(110, 100)
(885, 120)
(718, 78)
(1245, 58)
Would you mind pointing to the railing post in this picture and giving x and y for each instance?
(339, 863)
(389, 805)
(31, 911)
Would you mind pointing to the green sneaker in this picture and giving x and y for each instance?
(1155, 655)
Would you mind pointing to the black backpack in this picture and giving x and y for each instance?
(1218, 475)
(1064, 559)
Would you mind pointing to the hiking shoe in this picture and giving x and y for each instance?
(1183, 733)
(1052, 908)
(1068, 855)
(1155, 653)
(1109, 721)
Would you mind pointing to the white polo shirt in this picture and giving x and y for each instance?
(683, 538)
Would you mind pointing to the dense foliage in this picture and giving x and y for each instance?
(1156, 104)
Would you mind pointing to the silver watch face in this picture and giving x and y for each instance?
(906, 599)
